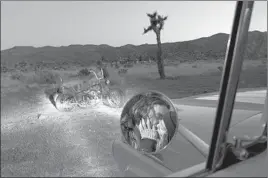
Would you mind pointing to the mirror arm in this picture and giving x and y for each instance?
(198, 143)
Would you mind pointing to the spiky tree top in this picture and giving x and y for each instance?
(156, 23)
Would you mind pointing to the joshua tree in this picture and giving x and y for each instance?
(156, 24)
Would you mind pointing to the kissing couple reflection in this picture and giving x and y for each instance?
(148, 122)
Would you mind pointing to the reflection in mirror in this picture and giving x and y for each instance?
(149, 121)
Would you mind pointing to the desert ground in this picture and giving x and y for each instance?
(38, 140)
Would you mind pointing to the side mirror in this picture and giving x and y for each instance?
(149, 122)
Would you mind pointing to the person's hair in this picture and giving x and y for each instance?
(139, 107)
(142, 107)
(161, 102)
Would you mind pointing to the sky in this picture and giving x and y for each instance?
(116, 23)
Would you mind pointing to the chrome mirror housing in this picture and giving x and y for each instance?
(149, 121)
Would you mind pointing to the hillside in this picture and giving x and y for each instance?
(206, 48)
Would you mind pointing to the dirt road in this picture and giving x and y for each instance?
(37, 140)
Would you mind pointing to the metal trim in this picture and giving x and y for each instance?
(230, 77)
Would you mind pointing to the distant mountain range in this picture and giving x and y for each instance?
(206, 48)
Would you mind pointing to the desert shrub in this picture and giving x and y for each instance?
(15, 76)
(4, 69)
(194, 66)
(23, 70)
(22, 66)
(83, 72)
(220, 68)
(117, 66)
(177, 64)
(46, 77)
(128, 65)
(173, 77)
(122, 71)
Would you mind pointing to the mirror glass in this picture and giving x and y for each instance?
(149, 121)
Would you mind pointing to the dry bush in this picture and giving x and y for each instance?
(16, 76)
(194, 66)
(128, 65)
(46, 77)
(117, 66)
(122, 71)
(83, 72)
(4, 69)
(264, 61)
(220, 68)
(177, 64)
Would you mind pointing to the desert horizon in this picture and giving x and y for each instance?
(128, 44)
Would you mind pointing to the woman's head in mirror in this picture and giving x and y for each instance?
(149, 121)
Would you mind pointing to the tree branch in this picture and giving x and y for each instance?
(148, 29)
(152, 15)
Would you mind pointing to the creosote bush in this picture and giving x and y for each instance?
(46, 77)
(84, 72)
(16, 76)
(122, 72)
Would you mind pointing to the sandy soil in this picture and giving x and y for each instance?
(37, 140)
